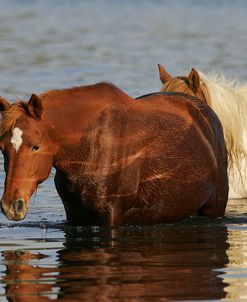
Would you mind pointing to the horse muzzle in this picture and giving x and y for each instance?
(16, 210)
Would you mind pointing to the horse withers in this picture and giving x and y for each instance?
(228, 98)
(118, 160)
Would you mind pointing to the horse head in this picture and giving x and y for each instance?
(190, 84)
(28, 153)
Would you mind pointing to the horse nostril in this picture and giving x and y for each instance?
(19, 205)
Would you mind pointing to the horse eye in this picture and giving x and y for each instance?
(35, 148)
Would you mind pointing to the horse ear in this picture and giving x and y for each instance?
(4, 105)
(164, 75)
(35, 107)
(194, 80)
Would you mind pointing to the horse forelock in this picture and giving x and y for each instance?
(229, 101)
(178, 84)
(10, 117)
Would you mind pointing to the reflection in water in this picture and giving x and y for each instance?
(25, 281)
(127, 264)
(235, 274)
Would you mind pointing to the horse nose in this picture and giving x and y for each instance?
(16, 210)
(18, 205)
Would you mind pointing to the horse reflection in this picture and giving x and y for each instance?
(128, 264)
(144, 264)
(24, 281)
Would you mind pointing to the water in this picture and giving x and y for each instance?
(52, 44)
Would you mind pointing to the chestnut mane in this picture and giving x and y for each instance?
(177, 85)
(10, 117)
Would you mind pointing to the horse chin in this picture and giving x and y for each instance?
(17, 210)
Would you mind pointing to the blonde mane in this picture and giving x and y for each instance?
(229, 101)
(10, 117)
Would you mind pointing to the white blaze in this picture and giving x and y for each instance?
(16, 139)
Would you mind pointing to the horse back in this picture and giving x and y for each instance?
(191, 109)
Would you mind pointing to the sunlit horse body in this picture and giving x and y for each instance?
(117, 160)
(229, 101)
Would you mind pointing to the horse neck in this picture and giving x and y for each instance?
(76, 106)
(229, 101)
(72, 115)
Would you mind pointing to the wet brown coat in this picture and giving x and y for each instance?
(117, 160)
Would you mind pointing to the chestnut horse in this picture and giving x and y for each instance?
(229, 101)
(117, 160)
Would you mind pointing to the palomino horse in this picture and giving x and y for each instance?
(229, 101)
(117, 160)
